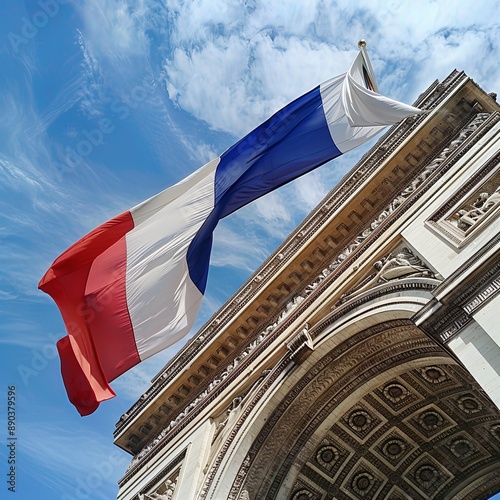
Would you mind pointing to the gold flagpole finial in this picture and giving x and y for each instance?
(362, 44)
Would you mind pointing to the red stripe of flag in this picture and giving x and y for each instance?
(87, 278)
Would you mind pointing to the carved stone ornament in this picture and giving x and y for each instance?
(397, 265)
(401, 263)
(368, 164)
(395, 393)
(301, 346)
(153, 444)
(471, 214)
(477, 201)
(244, 495)
(167, 490)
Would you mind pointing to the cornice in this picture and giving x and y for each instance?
(391, 213)
(462, 294)
(161, 474)
(369, 163)
(248, 357)
(268, 382)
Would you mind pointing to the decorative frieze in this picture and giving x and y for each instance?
(369, 163)
(487, 293)
(165, 477)
(475, 204)
(200, 398)
(426, 448)
(470, 215)
(391, 267)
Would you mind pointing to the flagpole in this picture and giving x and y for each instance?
(362, 48)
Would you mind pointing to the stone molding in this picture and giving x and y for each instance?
(370, 162)
(296, 352)
(249, 407)
(440, 221)
(160, 475)
(459, 296)
(301, 346)
(444, 425)
(359, 244)
(391, 338)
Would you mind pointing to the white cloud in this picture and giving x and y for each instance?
(233, 65)
(270, 213)
(235, 83)
(212, 302)
(7, 296)
(118, 27)
(297, 18)
(310, 189)
(90, 81)
(195, 21)
(25, 333)
(462, 49)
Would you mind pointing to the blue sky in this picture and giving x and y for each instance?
(106, 102)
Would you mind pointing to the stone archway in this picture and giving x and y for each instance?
(387, 414)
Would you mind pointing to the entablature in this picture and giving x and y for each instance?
(462, 293)
(351, 217)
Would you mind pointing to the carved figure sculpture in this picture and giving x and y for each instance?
(167, 495)
(491, 200)
(403, 264)
(484, 203)
(467, 218)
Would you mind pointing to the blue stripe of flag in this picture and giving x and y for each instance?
(292, 142)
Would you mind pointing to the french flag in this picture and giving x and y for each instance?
(134, 285)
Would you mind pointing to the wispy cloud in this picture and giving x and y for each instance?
(120, 28)
(310, 189)
(179, 81)
(26, 334)
(91, 85)
(7, 295)
(91, 472)
(232, 241)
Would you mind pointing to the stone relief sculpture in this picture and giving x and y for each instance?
(443, 155)
(244, 495)
(492, 200)
(403, 263)
(467, 218)
(168, 494)
(234, 407)
(207, 391)
(400, 264)
(289, 307)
